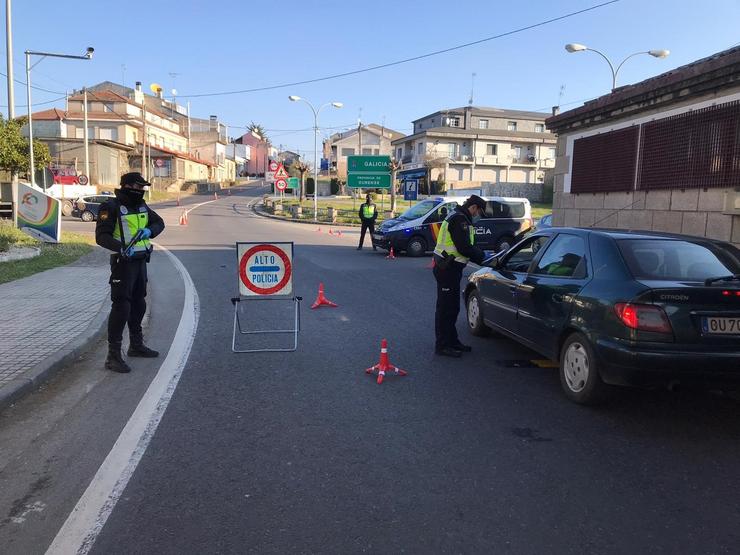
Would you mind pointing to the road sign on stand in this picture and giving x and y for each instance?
(281, 184)
(82, 179)
(265, 272)
(274, 165)
(368, 172)
(294, 183)
(265, 269)
(410, 189)
(280, 172)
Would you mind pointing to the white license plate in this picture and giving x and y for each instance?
(720, 326)
(377, 237)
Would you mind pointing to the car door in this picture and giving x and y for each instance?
(499, 286)
(547, 292)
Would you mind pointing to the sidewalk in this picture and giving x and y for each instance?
(48, 319)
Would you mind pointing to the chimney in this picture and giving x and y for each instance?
(138, 86)
(555, 110)
(138, 94)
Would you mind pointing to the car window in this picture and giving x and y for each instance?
(418, 210)
(504, 209)
(520, 257)
(564, 257)
(441, 213)
(673, 260)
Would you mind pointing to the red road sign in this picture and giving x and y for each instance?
(274, 165)
(159, 162)
(82, 179)
(266, 270)
(281, 184)
(280, 173)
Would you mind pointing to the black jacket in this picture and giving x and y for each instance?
(108, 220)
(375, 214)
(458, 225)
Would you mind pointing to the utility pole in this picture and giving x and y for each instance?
(85, 134)
(11, 93)
(143, 146)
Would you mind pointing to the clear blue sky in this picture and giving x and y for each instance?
(220, 45)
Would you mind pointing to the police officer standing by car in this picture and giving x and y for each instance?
(125, 225)
(455, 246)
(368, 215)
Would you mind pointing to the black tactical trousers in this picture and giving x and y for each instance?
(367, 225)
(448, 305)
(128, 299)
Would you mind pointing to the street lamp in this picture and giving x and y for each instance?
(576, 47)
(294, 98)
(86, 56)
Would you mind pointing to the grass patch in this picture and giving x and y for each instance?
(72, 247)
(540, 209)
(13, 237)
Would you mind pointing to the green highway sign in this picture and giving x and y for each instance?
(294, 183)
(368, 172)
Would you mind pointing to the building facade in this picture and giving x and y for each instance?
(662, 154)
(472, 147)
(369, 140)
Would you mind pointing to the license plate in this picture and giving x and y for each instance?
(377, 237)
(720, 326)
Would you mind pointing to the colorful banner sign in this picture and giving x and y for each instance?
(38, 214)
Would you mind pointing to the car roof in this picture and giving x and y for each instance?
(618, 234)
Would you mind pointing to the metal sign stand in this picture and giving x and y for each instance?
(238, 326)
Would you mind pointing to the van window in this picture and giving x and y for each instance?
(502, 209)
(441, 213)
(418, 210)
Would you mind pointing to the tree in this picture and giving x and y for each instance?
(14, 152)
(258, 129)
(302, 167)
(432, 162)
(393, 166)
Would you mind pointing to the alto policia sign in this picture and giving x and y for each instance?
(369, 172)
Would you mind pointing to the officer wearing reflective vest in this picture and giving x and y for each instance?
(455, 246)
(125, 226)
(368, 215)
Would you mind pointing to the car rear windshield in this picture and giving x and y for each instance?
(678, 260)
(504, 209)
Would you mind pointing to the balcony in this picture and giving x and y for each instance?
(407, 158)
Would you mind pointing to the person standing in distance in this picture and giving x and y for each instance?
(455, 246)
(125, 226)
(368, 215)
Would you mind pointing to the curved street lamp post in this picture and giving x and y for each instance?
(576, 47)
(294, 98)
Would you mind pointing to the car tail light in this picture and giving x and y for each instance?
(731, 293)
(643, 317)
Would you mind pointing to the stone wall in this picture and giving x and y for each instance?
(532, 191)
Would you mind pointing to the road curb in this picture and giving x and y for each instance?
(51, 365)
(290, 220)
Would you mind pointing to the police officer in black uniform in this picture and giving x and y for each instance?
(125, 225)
(455, 246)
(368, 214)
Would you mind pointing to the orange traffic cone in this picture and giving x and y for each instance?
(339, 232)
(391, 256)
(178, 201)
(318, 230)
(331, 231)
(384, 365)
(321, 300)
(432, 264)
(184, 218)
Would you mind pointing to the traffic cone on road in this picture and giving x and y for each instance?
(178, 201)
(318, 230)
(431, 264)
(339, 232)
(391, 256)
(321, 300)
(331, 231)
(184, 218)
(384, 365)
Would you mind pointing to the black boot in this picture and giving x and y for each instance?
(138, 349)
(115, 361)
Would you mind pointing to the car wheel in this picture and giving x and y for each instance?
(475, 315)
(66, 208)
(504, 243)
(417, 246)
(87, 216)
(579, 373)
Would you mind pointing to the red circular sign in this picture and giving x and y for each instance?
(264, 290)
(281, 184)
(159, 162)
(273, 166)
(82, 179)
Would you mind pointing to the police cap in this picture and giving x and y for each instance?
(475, 200)
(133, 178)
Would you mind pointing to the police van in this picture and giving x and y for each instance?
(415, 231)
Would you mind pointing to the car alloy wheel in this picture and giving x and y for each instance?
(416, 246)
(87, 216)
(576, 367)
(475, 315)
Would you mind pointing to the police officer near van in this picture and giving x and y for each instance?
(368, 215)
(455, 246)
(125, 226)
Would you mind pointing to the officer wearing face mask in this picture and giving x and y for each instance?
(125, 226)
(455, 246)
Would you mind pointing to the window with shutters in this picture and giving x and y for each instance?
(605, 162)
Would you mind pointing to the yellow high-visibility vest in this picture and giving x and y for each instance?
(130, 223)
(368, 211)
(445, 243)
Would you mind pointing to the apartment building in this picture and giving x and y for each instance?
(372, 139)
(502, 151)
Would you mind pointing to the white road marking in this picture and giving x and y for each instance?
(189, 210)
(82, 527)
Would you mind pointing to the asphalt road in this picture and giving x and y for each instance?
(304, 453)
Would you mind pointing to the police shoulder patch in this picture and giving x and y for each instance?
(103, 214)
